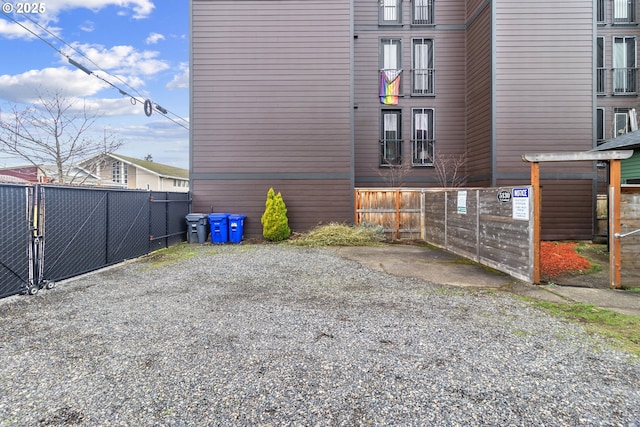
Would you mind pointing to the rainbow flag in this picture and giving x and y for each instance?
(389, 86)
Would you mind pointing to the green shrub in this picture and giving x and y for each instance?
(275, 224)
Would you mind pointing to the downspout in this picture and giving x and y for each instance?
(494, 143)
(352, 107)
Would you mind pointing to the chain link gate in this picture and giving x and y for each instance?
(50, 233)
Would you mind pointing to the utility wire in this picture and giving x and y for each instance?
(76, 64)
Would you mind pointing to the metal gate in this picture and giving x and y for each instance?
(15, 239)
(50, 233)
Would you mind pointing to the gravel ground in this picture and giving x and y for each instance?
(275, 335)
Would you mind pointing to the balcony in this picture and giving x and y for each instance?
(625, 81)
(423, 81)
(624, 11)
(422, 152)
(422, 12)
(601, 85)
(390, 152)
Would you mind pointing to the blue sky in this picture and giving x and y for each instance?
(140, 46)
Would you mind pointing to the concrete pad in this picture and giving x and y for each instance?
(441, 267)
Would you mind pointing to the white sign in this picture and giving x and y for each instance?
(521, 203)
(462, 202)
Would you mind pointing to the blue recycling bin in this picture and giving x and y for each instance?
(219, 223)
(236, 228)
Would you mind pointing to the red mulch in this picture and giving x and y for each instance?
(557, 258)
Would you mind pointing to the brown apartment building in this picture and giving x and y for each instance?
(317, 97)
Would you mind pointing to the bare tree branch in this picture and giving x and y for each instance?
(53, 131)
(450, 169)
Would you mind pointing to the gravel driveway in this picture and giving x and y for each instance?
(276, 335)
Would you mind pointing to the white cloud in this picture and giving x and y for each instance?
(122, 59)
(154, 38)
(87, 26)
(25, 87)
(141, 8)
(180, 81)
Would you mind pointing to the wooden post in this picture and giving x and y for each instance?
(355, 207)
(398, 198)
(615, 247)
(537, 199)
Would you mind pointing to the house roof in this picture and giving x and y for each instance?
(159, 169)
(627, 141)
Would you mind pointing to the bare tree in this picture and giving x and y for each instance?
(394, 174)
(53, 131)
(450, 169)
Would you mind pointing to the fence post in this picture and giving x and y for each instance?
(423, 212)
(356, 201)
(398, 203)
(477, 225)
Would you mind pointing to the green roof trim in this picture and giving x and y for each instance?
(158, 168)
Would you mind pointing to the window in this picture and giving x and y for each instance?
(422, 12)
(625, 120)
(624, 11)
(119, 172)
(624, 65)
(600, 70)
(601, 11)
(422, 67)
(390, 12)
(390, 54)
(391, 138)
(390, 71)
(422, 137)
(600, 126)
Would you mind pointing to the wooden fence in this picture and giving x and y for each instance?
(630, 240)
(492, 226)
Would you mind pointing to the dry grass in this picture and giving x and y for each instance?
(334, 234)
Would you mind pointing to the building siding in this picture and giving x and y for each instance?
(271, 99)
(285, 94)
(544, 101)
(478, 100)
(448, 102)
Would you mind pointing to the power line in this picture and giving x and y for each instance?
(146, 102)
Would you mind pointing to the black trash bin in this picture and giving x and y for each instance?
(197, 228)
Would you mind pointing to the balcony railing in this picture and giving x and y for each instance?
(423, 81)
(422, 12)
(625, 81)
(422, 152)
(390, 152)
(601, 74)
(624, 11)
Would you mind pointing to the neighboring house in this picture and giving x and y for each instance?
(129, 172)
(74, 175)
(317, 98)
(629, 168)
(12, 179)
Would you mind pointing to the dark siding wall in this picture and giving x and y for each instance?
(544, 103)
(544, 79)
(448, 103)
(271, 103)
(308, 202)
(479, 119)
